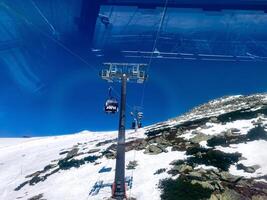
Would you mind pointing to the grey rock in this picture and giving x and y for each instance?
(225, 176)
(214, 120)
(248, 169)
(259, 197)
(93, 151)
(72, 153)
(153, 149)
(183, 168)
(131, 165)
(204, 184)
(37, 197)
(196, 132)
(200, 137)
(228, 195)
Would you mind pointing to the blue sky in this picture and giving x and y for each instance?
(74, 101)
(49, 84)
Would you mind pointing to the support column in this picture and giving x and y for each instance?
(119, 190)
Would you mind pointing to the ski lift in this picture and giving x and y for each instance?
(111, 105)
(140, 115)
(133, 125)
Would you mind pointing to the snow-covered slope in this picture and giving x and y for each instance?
(22, 157)
(226, 140)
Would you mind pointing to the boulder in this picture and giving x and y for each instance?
(177, 162)
(232, 132)
(153, 150)
(228, 195)
(131, 165)
(248, 169)
(34, 174)
(196, 132)
(204, 184)
(225, 176)
(37, 197)
(200, 137)
(160, 171)
(50, 166)
(259, 197)
(214, 120)
(183, 168)
(195, 175)
(93, 151)
(72, 153)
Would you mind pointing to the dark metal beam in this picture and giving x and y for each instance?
(200, 4)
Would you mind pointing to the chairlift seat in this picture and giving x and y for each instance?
(111, 106)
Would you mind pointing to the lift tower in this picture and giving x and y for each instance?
(122, 73)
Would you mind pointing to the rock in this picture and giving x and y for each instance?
(256, 133)
(256, 167)
(179, 132)
(217, 140)
(33, 174)
(142, 145)
(128, 198)
(195, 175)
(105, 142)
(259, 197)
(163, 142)
(183, 168)
(153, 150)
(50, 166)
(196, 132)
(72, 153)
(63, 152)
(218, 186)
(177, 162)
(225, 176)
(242, 158)
(205, 126)
(109, 154)
(37, 197)
(160, 171)
(214, 120)
(163, 148)
(249, 169)
(132, 165)
(232, 132)
(228, 195)
(200, 137)
(204, 184)
(93, 151)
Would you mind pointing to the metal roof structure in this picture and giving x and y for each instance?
(35, 32)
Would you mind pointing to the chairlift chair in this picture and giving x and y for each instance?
(140, 115)
(133, 125)
(111, 105)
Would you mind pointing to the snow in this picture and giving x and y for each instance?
(215, 128)
(255, 154)
(22, 157)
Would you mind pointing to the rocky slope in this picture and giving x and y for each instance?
(227, 108)
(216, 152)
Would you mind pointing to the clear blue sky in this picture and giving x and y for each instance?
(72, 100)
(46, 90)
